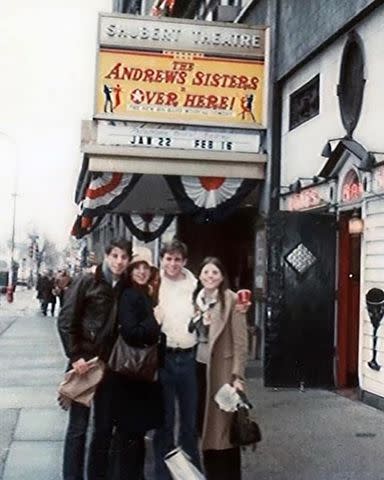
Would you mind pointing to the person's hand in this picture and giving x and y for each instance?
(243, 307)
(238, 384)
(80, 366)
(159, 314)
(64, 402)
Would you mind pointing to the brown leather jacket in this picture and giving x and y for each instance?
(88, 319)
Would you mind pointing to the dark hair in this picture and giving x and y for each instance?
(121, 243)
(224, 284)
(174, 246)
(151, 288)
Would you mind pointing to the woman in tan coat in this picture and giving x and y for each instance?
(221, 357)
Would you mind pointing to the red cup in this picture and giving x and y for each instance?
(244, 296)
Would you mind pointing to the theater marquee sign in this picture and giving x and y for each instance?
(172, 72)
(152, 33)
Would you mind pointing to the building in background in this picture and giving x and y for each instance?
(326, 218)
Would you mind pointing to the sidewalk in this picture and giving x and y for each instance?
(32, 363)
(311, 435)
(314, 435)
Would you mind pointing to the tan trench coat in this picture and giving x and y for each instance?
(227, 357)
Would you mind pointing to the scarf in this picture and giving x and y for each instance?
(108, 275)
(201, 321)
(204, 305)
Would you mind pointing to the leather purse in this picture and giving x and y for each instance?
(244, 431)
(81, 388)
(135, 363)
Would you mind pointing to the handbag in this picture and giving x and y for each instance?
(244, 431)
(135, 363)
(81, 388)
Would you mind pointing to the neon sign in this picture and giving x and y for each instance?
(352, 189)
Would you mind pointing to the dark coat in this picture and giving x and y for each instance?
(45, 289)
(137, 405)
(89, 304)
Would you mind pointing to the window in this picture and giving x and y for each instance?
(304, 103)
(351, 84)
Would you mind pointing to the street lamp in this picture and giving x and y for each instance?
(11, 280)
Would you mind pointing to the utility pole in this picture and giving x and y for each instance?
(11, 273)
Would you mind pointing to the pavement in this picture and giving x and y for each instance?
(310, 435)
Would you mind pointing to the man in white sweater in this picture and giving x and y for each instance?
(178, 376)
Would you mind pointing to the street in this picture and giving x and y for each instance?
(311, 435)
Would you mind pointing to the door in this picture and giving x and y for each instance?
(299, 330)
(232, 240)
(348, 306)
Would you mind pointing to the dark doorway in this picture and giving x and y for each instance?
(348, 305)
(299, 330)
(232, 240)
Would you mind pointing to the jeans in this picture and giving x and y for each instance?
(74, 445)
(178, 379)
(103, 424)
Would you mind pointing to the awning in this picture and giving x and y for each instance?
(206, 199)
(149, 173)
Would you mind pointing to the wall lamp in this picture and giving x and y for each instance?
(367, 162)
(327, 149)
(297, 186)
(294, 187)
(355, 224)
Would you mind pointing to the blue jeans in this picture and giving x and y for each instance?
(178, 379)
(101, 438)
(75, 440)
(74, 445)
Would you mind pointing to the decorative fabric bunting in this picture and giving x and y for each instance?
(84, 225)
(162, 8)
(209, 199)
(147, 227)
(106, 191)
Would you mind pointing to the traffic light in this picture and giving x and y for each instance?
(30, 250)
(36, 251)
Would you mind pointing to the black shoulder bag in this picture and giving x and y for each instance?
(244, 431)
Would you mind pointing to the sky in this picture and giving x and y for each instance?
(47, 65)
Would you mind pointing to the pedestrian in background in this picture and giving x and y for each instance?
(135, 405)
(221, 357)
(87, 327)
(178, 376)
(62, 282)
(47, 293)
(38, 290)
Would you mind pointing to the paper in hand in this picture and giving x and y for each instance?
(227, 398)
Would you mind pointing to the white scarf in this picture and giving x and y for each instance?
(204, 305)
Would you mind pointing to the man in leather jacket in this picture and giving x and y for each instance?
(87, 327)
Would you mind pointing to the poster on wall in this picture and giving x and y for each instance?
(179, 87)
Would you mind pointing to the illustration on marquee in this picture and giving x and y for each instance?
(246, 107)
(107, 90)
(180, 86)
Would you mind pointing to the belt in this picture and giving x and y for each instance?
(179, 350)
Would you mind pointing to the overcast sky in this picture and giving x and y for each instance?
(47, 65)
